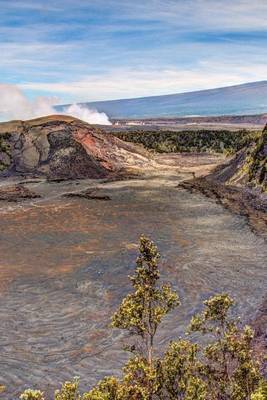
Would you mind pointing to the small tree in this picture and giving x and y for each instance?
(141, 312)
(230, 370)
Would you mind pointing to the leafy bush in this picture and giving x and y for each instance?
(30, 394)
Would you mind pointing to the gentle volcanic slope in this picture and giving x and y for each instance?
(61, 147)
(249, 98)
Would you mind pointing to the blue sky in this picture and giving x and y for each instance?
(85, 50)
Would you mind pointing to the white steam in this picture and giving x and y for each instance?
(87, 114)
(15, 105)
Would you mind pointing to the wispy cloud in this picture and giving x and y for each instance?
(205, 14)
(88, 50)
(131, 83)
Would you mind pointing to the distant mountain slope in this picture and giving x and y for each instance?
(249, 98)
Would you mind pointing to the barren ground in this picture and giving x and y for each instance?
(65, 261)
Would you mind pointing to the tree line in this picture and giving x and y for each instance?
(204, 140)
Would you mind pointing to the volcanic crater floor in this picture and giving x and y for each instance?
(65, 263)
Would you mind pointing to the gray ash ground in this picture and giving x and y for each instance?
(65, 261)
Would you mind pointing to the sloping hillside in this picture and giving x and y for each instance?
(240, 184)
(256, 162)
(249, 166)
(61, 147)
(249, 98)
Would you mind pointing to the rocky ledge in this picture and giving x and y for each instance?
(243, 201)
(88, 194)
(16, 193)
(240, 184)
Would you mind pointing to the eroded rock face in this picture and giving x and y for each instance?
(248, 167)
(60, 147)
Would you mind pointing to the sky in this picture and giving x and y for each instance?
(88, 50)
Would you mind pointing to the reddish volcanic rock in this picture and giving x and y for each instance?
(61, 147)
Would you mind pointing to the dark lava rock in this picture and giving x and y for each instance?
(87, 194)
(240, 200)
(17, 193)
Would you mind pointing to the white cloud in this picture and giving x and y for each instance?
(133, 83)
(30, 5)
(201, 14)
(15, 105)
(171, 55)
(32, 54)
(237, 14)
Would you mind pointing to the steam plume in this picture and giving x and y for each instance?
(86, 114)
(15, 105)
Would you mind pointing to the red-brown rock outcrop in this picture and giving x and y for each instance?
(61, 147)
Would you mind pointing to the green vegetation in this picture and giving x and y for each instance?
(5, 149)
(253, 144)
(219, 141)
(261, 392)
(141, 312)
(256, 161)
(223, 369)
